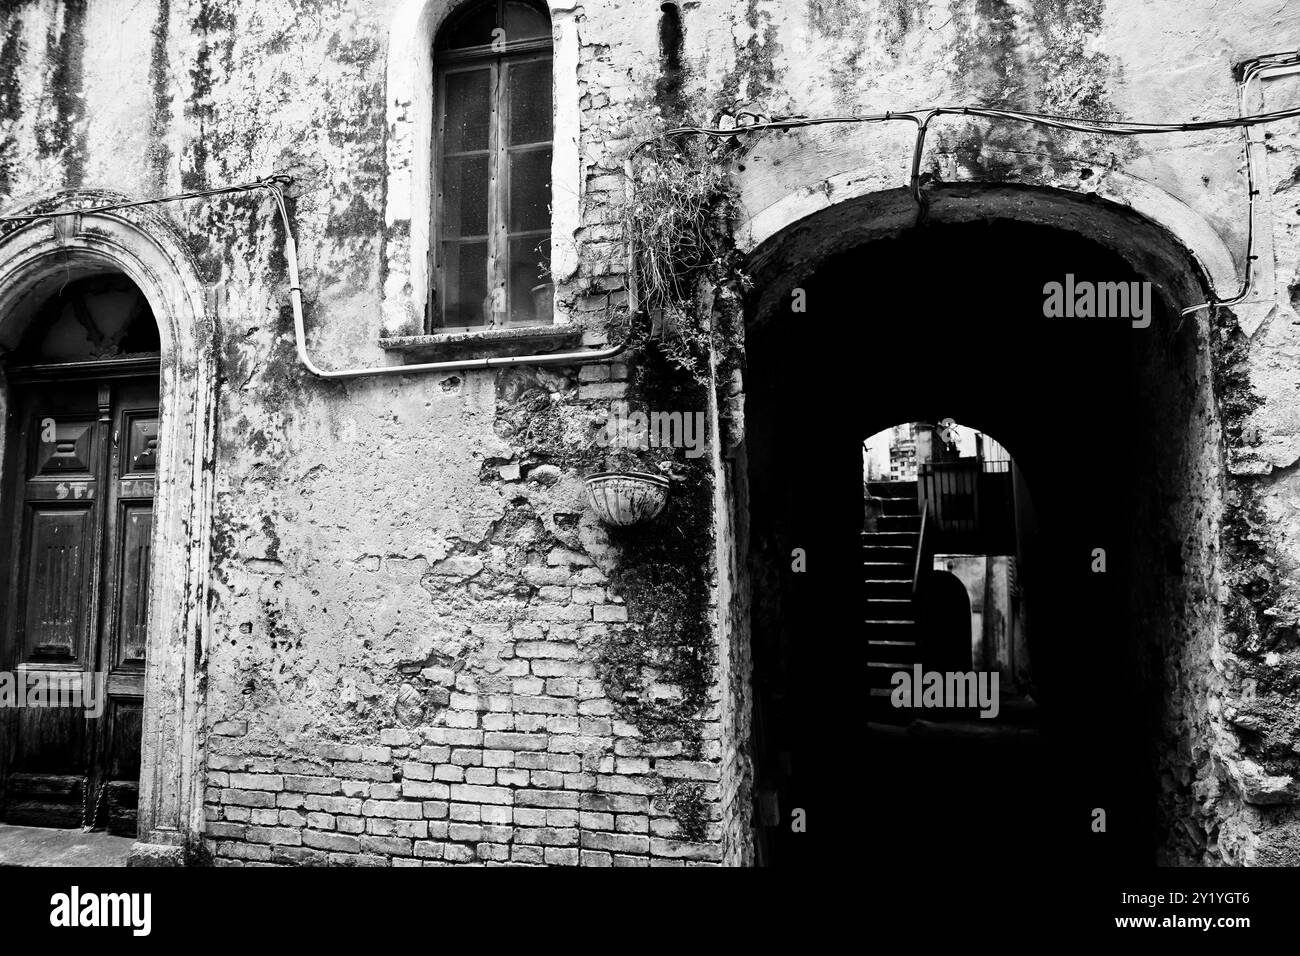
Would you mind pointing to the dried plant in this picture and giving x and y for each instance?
(678, 224)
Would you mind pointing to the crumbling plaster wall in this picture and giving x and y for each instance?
(394, 547)
(409, 593)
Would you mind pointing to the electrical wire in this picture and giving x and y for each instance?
(131, 204)
(921, 118)
(1250, 69)
(1074, 124)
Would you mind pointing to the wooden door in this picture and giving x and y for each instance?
(79, 517)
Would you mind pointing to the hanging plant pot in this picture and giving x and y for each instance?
(625, 498)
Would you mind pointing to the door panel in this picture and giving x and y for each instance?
(63, 446)
(56, 547)
(50, 626)
(121, 769)
(135, 522)
(133, 453)
(79, 520)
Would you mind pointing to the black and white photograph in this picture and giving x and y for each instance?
(852, 439)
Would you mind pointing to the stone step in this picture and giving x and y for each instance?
(905, 522)
(901, 508)
(888, 629)
(880, 673)
(887, 588)
(892, 489)
(893, 570)
(890, 609)
(897, 553)
(908, 538)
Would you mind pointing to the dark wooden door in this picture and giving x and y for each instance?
(78, 522)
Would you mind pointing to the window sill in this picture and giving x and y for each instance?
(485, 343)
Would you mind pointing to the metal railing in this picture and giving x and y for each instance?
(968, 496)
(920, 549)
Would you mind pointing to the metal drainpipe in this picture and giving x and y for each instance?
(300, 333)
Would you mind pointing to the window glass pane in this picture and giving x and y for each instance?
(530, 102)
(530, 282)
(466, 111)
(465, 196)
(526, 21)
(472, 28)
(515, 114)
(530, 189)
(464, 272)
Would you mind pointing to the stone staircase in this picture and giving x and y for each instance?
(888, 563)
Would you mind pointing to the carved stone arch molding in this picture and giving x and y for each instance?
(35, 259)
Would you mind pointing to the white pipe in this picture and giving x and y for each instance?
(1275, 64)
(456, 365)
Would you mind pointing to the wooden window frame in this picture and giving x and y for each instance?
(446, 62)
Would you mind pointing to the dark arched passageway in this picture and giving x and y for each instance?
(1109, 425)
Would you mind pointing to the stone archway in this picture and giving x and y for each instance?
(36, 258)
(788, 252)
(905, 299)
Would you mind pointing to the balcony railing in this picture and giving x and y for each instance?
(970, 503)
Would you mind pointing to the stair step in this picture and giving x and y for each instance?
(881, 675)
(890, 609)
(901, 591)
(885, 629)
(898, 522)
(887, 588)
(894, 523)
(898, 553)
(901, 508)
(892, 489)
(906, 538)
(896, 570)
(897, 589)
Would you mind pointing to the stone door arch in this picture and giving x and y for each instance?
(35, 259)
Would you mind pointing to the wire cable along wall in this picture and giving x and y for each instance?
(1250, 70)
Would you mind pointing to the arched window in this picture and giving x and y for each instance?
(492, 215)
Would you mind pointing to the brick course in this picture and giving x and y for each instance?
(542, 773)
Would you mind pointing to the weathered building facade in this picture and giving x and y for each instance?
(384, 624)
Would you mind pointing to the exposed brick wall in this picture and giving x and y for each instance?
(441, 795)
(521, 758)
